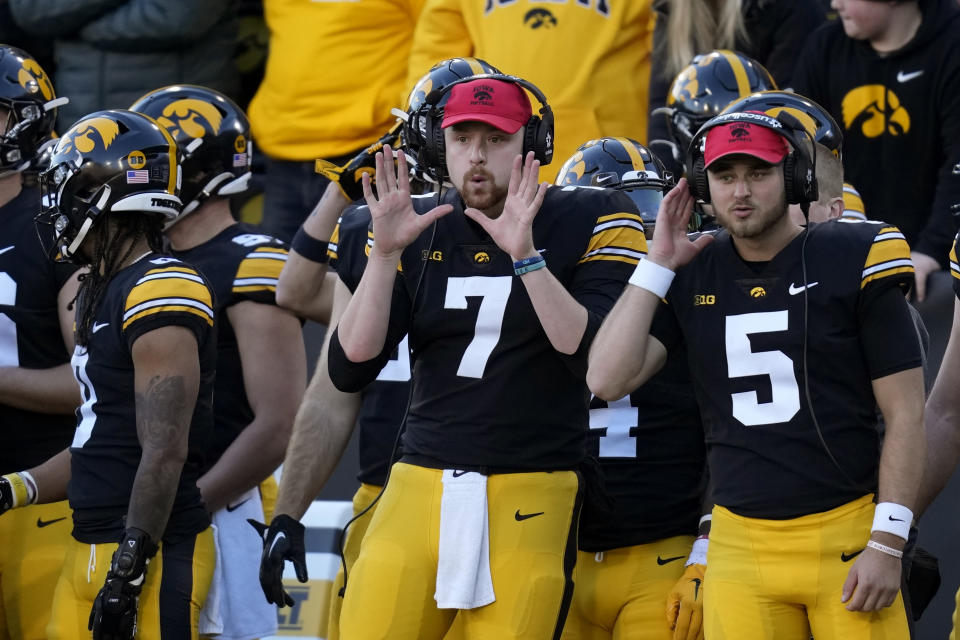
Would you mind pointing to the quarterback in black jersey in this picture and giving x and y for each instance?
(498, 416)
(795, 336)
(144, 362)
(634, 556)
(37, 391)
(261, 366)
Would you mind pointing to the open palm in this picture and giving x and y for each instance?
(671, 246)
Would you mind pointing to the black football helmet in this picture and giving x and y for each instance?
(213, 134)
(622, 164)
(440, 75)
(706, 86)
(816, 120)
(108, 162)
(26, 92)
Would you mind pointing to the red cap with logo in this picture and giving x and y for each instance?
(500, 104)
(744, 138)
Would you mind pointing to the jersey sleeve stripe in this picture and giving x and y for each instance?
(162, 305)
(621, 240)
(181, 286)
(164, 276)
(172, 308)
(334, 244)
(259, 267)
(620, 216)
(885, 270)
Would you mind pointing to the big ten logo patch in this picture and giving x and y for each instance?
(308, 615)
(136, 160)
(540, 18)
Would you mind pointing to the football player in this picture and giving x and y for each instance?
(327, 416)
(651, 452)
(796, 336)
(144, 361)
(828, 139)
(37, 391)
(261, 364)
(700, 91)
(853, 203)
(478, 518)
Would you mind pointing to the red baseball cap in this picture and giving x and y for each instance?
(744, 138)
(501, 104)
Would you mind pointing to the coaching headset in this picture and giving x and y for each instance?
(799, 166)
(537, 133)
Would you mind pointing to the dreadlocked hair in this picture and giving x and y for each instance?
(112, 245)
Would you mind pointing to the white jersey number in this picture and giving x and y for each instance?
(742, 361)
(397, 370)
(618, 418)
(494, 292)
(9, 352)
(87, 415)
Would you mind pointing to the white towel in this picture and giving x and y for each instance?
(237, 608)
(463, 567)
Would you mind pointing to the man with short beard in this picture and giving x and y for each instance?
(477, 521)
(795, 336)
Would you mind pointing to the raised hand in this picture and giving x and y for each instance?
(671, 246)
(395, 222)
(512, 230)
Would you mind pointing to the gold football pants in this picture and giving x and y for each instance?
(622, 593)
(33, 541)
(178, 579)
(782, 579)
(532, 519)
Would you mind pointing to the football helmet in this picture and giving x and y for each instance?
(214, 137)
(26, 93)
(706, 86)
(440, 75)
(108, 162)
(622, 164)
(815, 119)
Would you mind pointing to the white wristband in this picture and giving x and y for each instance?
(890, 551)
(892, 518)
(698, 553)
(652, 277)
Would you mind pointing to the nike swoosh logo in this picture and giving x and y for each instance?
(41, 523)
(892, 519)
(696, 587)
(526, 516)
(280, 536)
(602, 179)
(663, 561)
(794, 290)
(96, 327)
(233, 507)
(457, 473)
(844, 557)
(907, 77)
(5, 249)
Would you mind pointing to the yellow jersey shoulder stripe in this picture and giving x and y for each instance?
(617, 237)
(954, 262)
(333, 246)
(180, 286)
(261, 269)
(889, 255)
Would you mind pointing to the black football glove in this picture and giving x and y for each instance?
(282, 540)
(348, 176)
(114, 614)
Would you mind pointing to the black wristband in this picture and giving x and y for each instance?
(309, 247)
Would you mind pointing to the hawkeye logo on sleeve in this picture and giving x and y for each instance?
(194, 118)
(874, 110)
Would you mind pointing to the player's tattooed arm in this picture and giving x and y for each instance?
(167, 372)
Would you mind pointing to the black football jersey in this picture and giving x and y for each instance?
(384, 401)
(241, 264)
(955, 266)
(745, 325)
(489, 390)
(30, 333)
(652, 456)
(154, 292)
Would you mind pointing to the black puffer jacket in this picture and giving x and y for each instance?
(108, 53)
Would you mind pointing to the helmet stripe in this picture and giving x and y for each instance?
(635, 157)
(739, 72)
(475, 66)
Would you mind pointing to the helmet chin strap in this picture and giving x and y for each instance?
(92, 213)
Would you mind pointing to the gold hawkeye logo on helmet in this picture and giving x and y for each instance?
(107, 129)
(193, 117)
(32, 78)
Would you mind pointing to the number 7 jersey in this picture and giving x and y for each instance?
(745, 326)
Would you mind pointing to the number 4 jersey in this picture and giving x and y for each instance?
(489, 390)
(759, 334)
